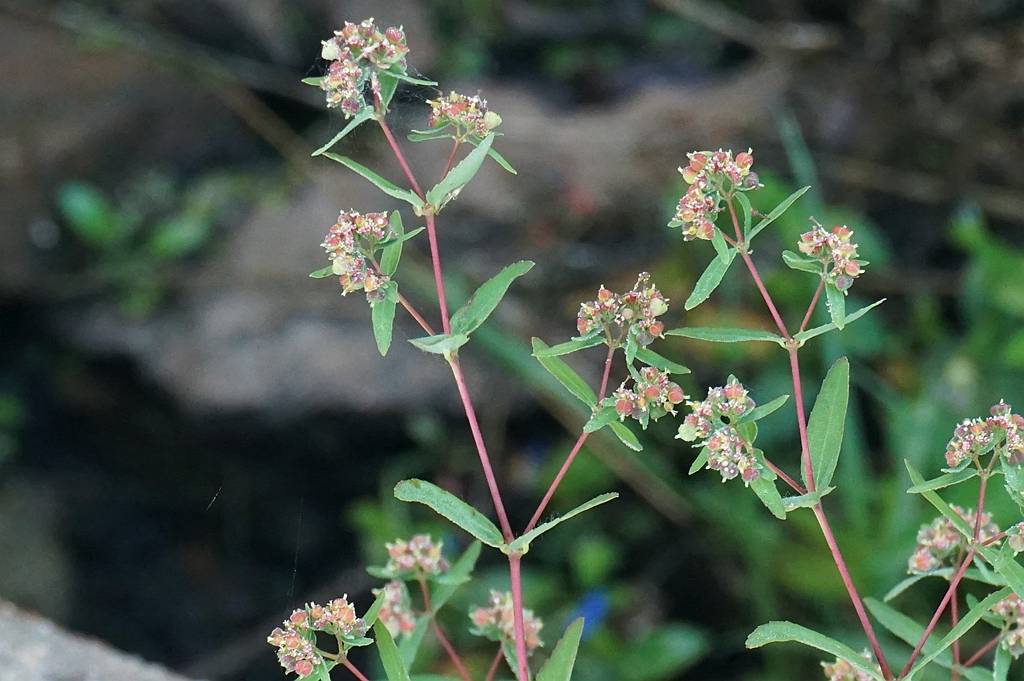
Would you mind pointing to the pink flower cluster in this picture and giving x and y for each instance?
(418, 556)
(350, 244)
(396, 610)
(296, 640)
(842, 670)
(618, 315)
(711, 175)
(650, 398)
(1011, 611)
(356, 53)
(496, 622)
(1015, 538)
(939, 540)
(729, 452)
(1002, 430)
(468, 115)
(836, 252)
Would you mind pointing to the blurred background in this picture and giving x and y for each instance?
(195, 437)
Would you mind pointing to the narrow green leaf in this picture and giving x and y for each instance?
(563, 657)
(313, 80)
(651, 358)
(745, 212)
(415, 81)
(409, 647)
(765, 489)
(495, 156)
(1006, 565)
(374, 610)
(572, 346)
(963, 626)
(459, 573)
(835, 300)
(1001, 666)
(780, 632)
(722, 248)
(385, 185)
(382, 315)
(459, 176)
(388, 86)
(944, 481)
(808, 500)
(565, 375)
(805, 336)
(441, 344)
(626, 436)
(429, 135)
(827, 422)
(972, 574)
(392, 252)
(726, 335)
(522, 543)
(941, 506)
(451, 507)
(709, 281)
(601, 418)
(357, 120)
(758, 413)
(801, 263)
(322, 272)
(698, 463)
(394, 668)
(777, 211)
(481, 304)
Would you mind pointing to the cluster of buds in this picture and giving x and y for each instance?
(420, 556)
(496, 622)
(296, 639)
(356, 53)
(396, 609)
(711, 175)
(837, 254)
(351, 244)
(842, 670)
(940, 540)
(468, 115)
(729, 452)
(1015, 538)
(1011, 611)
(617, 316)
(1002, 430)
(652, 396)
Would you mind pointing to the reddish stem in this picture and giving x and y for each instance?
(741, 248)
(983, 650)
(352, 668)
(954, 618)
(439, 633)
(494, 665)
(794, 485)
(398, 152)
(404, 302)
(814, 304)
(573, 452)
(451, 158)
(435, 260)
(801, 419)
(523, 672)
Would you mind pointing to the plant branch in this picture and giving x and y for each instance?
(794, 485)
(439, 633)
(494, 665)
(814, 304)
(451, 158)
(741, 248)
(973, 659)
(523, 671)
(352, 668)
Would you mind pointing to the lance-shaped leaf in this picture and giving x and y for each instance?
(944, 481)
(726, 335)
(745, 212)
(1006, 565)
(459, 176)
(709, 280)
(781, 632)
(941, 506)
(626, 436)
(765, 489)
(441, 344)
(409, 647)
(601, 418)
(563, 657)
(1001, 666)
(777, 211)
(835, 300)
(451, 507)
(374, 610)
(322, 272)
(415, 81)
(392, 252)
(967, 621)
(801, 262)
(357, 120)
(571, 346)
(808, 334)
(565, 375)
(651, 358)
(808, 500)
(972, 574)
(385, 185)
(394, 668)
(698, 463)
(722, 248)
(767, 409)
(481, 304)
(495, 156)
(382, 315)
(827, 423)
(522, 544)
(313, 80)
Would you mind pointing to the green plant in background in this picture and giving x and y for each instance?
(366, 65)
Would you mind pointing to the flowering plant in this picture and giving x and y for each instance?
(366, 65)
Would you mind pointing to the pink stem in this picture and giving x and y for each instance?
(742, 250)
(573, 452)
(494, 665)
(954, 618)
(517, 614)
(352, 668)
(415, 315)
(451, 159)
(801, 419)
(794, 485)
(435, 258)
(983, 650)
(399, 155)
(814, 304)
(439, 633)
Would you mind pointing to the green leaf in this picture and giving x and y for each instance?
(1006, 565)
(563, 657)
(90, 215)
(601, 418)
(385, 185)
(835, 300)
(941, 506)
(451, 507)
(440, 344)
(394, 668)
(322, 272)
(393, 251)
(442, 133)
(1001, 666)
(388, 86)
(808, 500)
(374, 610)
(565, 375)
(745, 212)
(481, 304)
(827, 422)
(357, 120)
(709, 281)
(178, 236)
(801, 263)
(779, 632)
(495, 156)
(571, 346)
(626, 436)
(662, 653)
(777, 211)
(313, 80)
(945, 573)
(726, 335)
(718, 241)
(698, 463)
(944, 481)
(459, 573)
(805, 336)
(758, 413)
(765, 489)
(522, 544)
(415, 81)
(651, 358)
(459, 176)
(967, 621)
(382, 315)
(409, 647)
